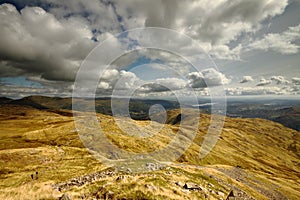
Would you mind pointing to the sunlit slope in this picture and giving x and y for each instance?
(258, 157)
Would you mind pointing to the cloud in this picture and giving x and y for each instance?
(47, 42)
(13, 91)
(255, 91)
(196, 80)
(246, 79)
(263, 82)
(164, 84)
(274, 85)
(213, 24)
(207, 78)
(279, 80)
(296, 80)
(35, 42)
(126, 80)
(283, 43)
(113, 79)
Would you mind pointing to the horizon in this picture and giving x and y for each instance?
(228, 98)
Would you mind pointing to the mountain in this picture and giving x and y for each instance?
(42, 157)
(286, 112)
(4, 100)
(138, 108)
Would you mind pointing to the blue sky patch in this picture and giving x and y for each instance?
(20, 81)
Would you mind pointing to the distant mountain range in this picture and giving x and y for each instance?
(286, 112)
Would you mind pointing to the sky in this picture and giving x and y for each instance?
(161, 47)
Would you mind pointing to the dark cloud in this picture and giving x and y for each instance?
(34, 42)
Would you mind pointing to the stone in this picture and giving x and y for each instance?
(150, 187)
(191, 186)
(220, 194)
(212, 191)
(210, 185)
(185, 191)
(120, 178)
(180, 184)
(128, 170)
(65, 196)
(230, 195)
(109, 195)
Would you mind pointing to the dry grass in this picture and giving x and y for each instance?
(32, 140)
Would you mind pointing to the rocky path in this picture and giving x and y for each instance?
(243, 177)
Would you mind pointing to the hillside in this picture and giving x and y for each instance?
(286, 112)
(253, 159)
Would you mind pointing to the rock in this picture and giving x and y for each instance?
(168, 173)
(191, 186)
(185, 191)
(128, 170)
(180, 184)
(220, 194)
(151, 187)
(109, 195)
(154, 166)
(120, 178)
(65, 196)
(212, 191)
(210, 185)
(203, 189)
(230, 196)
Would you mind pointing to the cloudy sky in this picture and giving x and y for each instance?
(254, 46)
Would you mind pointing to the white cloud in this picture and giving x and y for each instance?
(279, 42)
(274, 85)
(196, 80)
(279, 80)
(207, 78)
(255, 91)
(49, 45)
(104, 85)
(127, 80)
(110, 75)
(296, 80)
(164, 84)
(263, 82)
(213, 24)
(246, 79)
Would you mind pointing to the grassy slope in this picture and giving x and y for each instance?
(266, 154)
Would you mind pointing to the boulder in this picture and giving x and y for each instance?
(191, 186)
